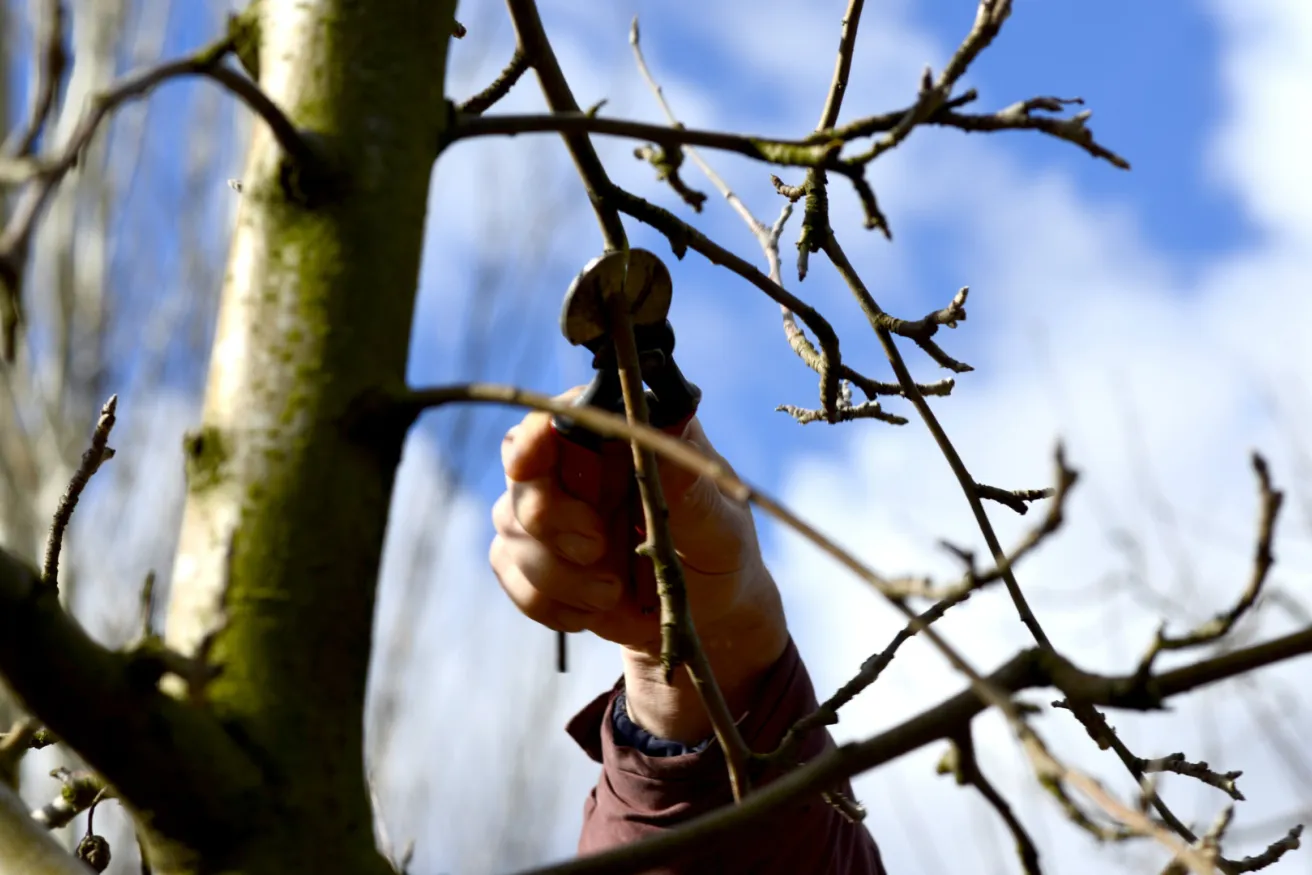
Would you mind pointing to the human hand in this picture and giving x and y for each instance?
(564, 567)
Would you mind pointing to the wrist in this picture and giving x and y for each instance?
(740, 647)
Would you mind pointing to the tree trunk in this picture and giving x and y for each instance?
(283, 528)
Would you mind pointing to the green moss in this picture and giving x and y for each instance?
(244, 31)
(206, 454)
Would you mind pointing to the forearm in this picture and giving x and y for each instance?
(740, 653)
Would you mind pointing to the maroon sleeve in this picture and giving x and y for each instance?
(639, 795)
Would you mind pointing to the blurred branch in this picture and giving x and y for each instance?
(1176, 762)
(1263, 558)
(49, 64)
(962, 763)
(29, 849)
(92, 459)
(1016, 499)
(78, 791)
(161, 755)
(46, 175)
(500, 87)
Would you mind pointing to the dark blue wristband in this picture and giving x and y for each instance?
(632, 735)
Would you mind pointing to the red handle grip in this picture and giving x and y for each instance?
(604, 478)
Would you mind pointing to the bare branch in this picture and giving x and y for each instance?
(1020, 117)
(667, 163)
(500, 87)
(683, 237)
(964, 479)
(788, 153)
(842, 65)
(962, 763)
(1176, 762)
(871, 669)
(92, 459)
(1273, 853)
(1219, 626)
(1016, 499)
(845, 413)
(47, 175)
(163, 756)
(80, 789)
(51, 61)
(679, 642)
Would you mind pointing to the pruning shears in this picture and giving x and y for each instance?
(600, 470)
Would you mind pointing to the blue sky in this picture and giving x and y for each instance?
(1153, 319)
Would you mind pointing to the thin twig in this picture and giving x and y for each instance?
(47, 174)
(500, 87)
(50, 64)
(1176, 763)
(1016, 499)
(827, 713)
(965, 766)
(842, 65)
(1219, 626)
(95, 455)
(79, 791)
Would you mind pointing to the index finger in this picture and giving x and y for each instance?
(528, 450)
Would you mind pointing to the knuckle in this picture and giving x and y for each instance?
(532, 508)
(503, 514)
(497, 556)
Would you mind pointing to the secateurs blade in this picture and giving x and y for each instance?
(600, 470)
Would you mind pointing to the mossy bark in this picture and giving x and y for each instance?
(285, 515)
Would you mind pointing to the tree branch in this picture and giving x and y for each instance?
(500, 87)
(962, 763)
(29, 849)
(163, 757)
(1219, 626)
(788, 153)
(47, 175)
(375, 411)
(50, 64)
(92, 459)
(683, 237)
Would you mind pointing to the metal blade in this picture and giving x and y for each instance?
(638, 275)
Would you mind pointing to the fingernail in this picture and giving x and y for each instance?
(580, 549)
(602, 592)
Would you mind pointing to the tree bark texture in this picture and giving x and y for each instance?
(283, 528)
